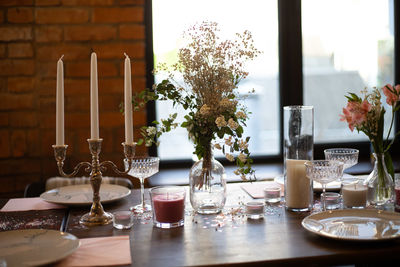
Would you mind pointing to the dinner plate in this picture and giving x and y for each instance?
(79, 195)
(34, 247)
(355, 225)
(333, 186)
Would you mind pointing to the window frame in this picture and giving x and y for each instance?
(290, 80)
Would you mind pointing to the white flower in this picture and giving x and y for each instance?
(229, 157)
(243, 145)
(217, 146)
(228, 141)
(242, 157)
(220, 121)
(225, 103)
(151, 130)
(148, 142)
(233, 124)
(205, 110)
(241, 115)
(236, 172)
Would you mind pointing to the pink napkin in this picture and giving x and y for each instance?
(256, 190)
(24, 204)
(100, 251)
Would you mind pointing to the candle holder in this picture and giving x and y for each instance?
(97, 215)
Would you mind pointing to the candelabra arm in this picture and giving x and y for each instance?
(60, 152)
(129, 151)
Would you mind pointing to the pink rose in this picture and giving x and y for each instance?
(392, 94)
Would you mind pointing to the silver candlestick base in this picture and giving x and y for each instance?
(97, 215)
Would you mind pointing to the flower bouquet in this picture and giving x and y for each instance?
(204, 82)
(366, 114)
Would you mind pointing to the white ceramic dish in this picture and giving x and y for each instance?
(34, 247)
(354, 225)
(80, 195)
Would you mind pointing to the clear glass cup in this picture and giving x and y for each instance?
(349, 156)
(298, 146)
(142, 168)
(123, 219)
(168, 205)
(324, 172)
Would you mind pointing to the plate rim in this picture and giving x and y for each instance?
(86, 203)
(343, 238)
(58, 256)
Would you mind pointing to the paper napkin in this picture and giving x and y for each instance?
(100, 251)
(256, 190)
(34, 203)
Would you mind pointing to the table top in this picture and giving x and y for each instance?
(229, 239)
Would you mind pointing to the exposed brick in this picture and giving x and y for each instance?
(18, 143)
(47, 103)
(33, 142)
(61, 15)
(88, 2)
(138, 84)
(13, 33)
(117, 50)
(20, 15)
(3, 119)
(132, 32)
(1, 16)
(114, 15)
(45, 34)
(48, 120)
(20, 84)
(16, 2)
(2, 50)
(16, 67)
(77, 120)
(46, 87)
(23, 119)
(18, 166)
(3, 85)
(86, 33)
(111, 102)
(115, 85)
(70, 51)
(47, 139)
(107, 69)
(8, 184)
(47, 2)
(82, 69)
(21, 181)
(77, 87)
(111, 119)
(131, 2)
(46, 69)
(16, 102)
(138, 68)
(4, 144)
(20, 50)
(77, 104)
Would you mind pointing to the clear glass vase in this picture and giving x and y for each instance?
(380, 183)
(207, 185)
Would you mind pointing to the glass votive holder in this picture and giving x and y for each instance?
(168, 205)
(272, 194)
(397, 193)
(123, 219)
(332, 200)
(255, 210)
(354, 194)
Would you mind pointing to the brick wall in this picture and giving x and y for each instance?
(33, 35)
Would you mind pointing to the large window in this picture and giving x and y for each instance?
(343, 46)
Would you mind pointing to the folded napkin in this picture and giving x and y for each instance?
(34, 203)
(100, 251)
(256, 190)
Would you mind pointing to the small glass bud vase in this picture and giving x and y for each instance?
(207, 185)
(380, 183)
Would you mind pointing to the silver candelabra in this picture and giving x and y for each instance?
(97, 215)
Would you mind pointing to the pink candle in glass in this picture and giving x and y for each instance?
(169, 208)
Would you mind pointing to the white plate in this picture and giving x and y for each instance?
(79, 195)
(34, 247)
(333, 186)
(356, 225)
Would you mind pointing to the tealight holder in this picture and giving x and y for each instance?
(97, 215)
(255, 210)
(272, 194)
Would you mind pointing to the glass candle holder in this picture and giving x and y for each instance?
(298, 122)
(354, 194)
(168, 205)
(255, 210)
(123, 219)
(272, 194)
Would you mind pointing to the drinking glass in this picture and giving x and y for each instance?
(324, 172)
(349, 156)
(142, 168)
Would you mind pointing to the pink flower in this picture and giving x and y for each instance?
(392, 94)
(355, 113)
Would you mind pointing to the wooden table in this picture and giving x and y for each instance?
(278, 239)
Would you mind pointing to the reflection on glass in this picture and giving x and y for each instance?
(347, 45)
(259, 17)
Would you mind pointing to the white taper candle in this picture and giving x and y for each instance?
(128, 101)
(94, 99)
(60, 103)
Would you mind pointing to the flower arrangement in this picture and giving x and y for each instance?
(366, 114)
(204, 82)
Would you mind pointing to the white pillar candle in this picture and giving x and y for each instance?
(60, 103)
(297, 194)
(94, 99)
(128, 101)
(354, 195)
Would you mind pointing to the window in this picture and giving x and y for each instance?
(342, 46)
